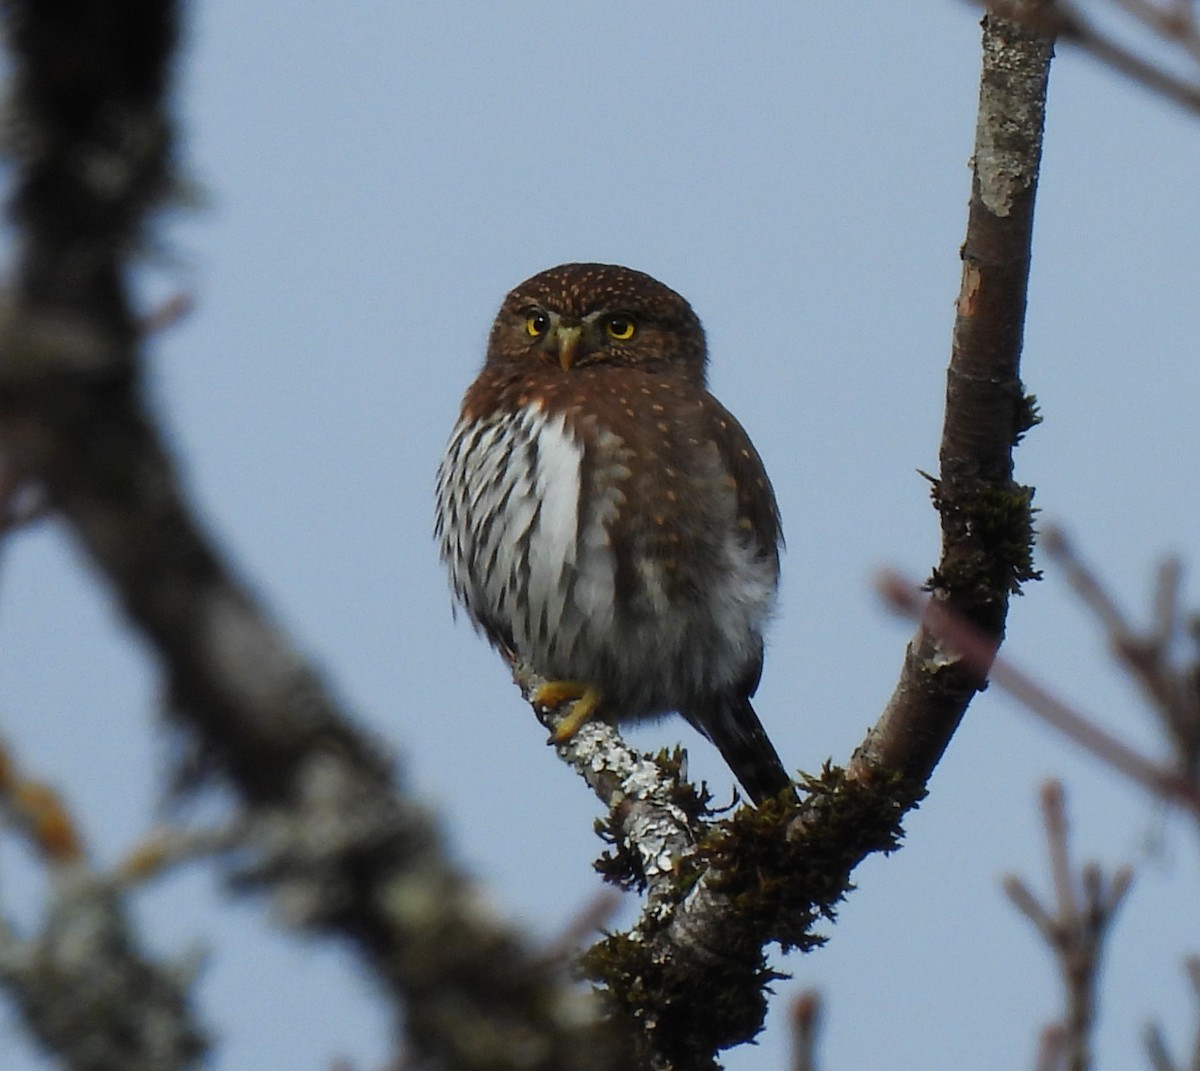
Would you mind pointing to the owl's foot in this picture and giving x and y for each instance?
(555, 693)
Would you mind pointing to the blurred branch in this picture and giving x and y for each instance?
(328, 834)
(166, 849)
(987, 534)
(1173, 22)
(20, 504)
(38, 812)
(84, 986)
(1171, 690)
(1156, 1045)
(171, 313)
(806, 1022)
(1052, 1047)
(1074, 929)
(978, 649)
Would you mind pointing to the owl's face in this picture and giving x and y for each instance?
(588, 315)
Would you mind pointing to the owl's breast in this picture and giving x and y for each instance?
(525, 500)
(603, 548)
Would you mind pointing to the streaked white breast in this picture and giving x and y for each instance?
(509, 528)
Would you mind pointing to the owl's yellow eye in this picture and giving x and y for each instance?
(620, 327)
(537, 323)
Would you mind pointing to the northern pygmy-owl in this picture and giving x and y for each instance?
(607, 521)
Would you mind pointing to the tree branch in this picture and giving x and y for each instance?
(978, 649)
(987, 533)
(84, 985)
(1168, 685)
(1074, 930)
(1155, 1041)
(1175, 25)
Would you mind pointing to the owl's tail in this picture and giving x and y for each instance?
(729, 721)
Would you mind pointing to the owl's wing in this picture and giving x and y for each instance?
(755, 496)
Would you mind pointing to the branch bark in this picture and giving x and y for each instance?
(986, 517)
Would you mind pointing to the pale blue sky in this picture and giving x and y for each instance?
(376, 177)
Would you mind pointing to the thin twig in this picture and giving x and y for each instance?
(38, 811)
(1174, 24)
(172, 312)
(1052, 1044)
(1155, 1041)
(1169, 688)
(806, 1024)
(1074, 929)
(1157, 1052)
(166, 849)
(592, 918)
(21, 502)
(1192, 966)
(960, 639)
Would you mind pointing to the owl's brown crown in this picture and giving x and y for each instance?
(606, 313)
(578, 290)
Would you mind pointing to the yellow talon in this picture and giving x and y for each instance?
(555, 693)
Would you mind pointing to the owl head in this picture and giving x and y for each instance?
(580, 316)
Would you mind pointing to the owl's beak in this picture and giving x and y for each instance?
(568, 339)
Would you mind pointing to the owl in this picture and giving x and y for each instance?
(607, 521)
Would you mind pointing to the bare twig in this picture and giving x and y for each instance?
(1156, 1049)
(593, 917)
(1074, 928)
(1192, 964)
(1051, 1048)
(172, 312)
(962, 640)
(38, 811)
(1174, 21)
(21, 502)
(166, 849)
(1170, 689)
(1156, 1044)
(806, 1022)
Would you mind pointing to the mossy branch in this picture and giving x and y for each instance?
(986, 516)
